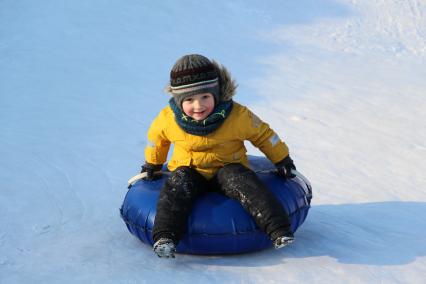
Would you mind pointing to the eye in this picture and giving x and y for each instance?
(206, 96)
(188, 100)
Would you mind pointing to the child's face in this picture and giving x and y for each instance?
(198, 106)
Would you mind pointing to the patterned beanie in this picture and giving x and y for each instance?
(193, 74)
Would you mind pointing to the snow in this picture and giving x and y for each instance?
(342, 81)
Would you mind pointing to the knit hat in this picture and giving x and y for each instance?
(194, 74)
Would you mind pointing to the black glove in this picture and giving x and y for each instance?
(284, 168)
(150, 169)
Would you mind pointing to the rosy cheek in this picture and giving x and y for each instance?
(186, 109)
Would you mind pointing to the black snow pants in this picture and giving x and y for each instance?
(233, 180)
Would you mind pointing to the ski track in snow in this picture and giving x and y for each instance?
(346, 91)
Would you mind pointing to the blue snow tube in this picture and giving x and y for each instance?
(218, 225)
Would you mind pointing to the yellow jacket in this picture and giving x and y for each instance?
(208, 153)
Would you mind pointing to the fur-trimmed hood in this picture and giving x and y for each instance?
(228, 85)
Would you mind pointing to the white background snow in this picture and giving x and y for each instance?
(342, 82)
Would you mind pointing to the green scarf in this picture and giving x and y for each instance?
(202, 127)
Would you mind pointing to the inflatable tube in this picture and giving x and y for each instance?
(218, 225)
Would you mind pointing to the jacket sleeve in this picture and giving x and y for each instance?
(263, 137)
(158, 144)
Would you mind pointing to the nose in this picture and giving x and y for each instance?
(197, 104)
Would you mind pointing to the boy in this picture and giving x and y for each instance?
(208, 130)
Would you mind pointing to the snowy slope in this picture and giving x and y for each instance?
(341, 81)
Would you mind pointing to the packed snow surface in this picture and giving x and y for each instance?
(341, 81)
